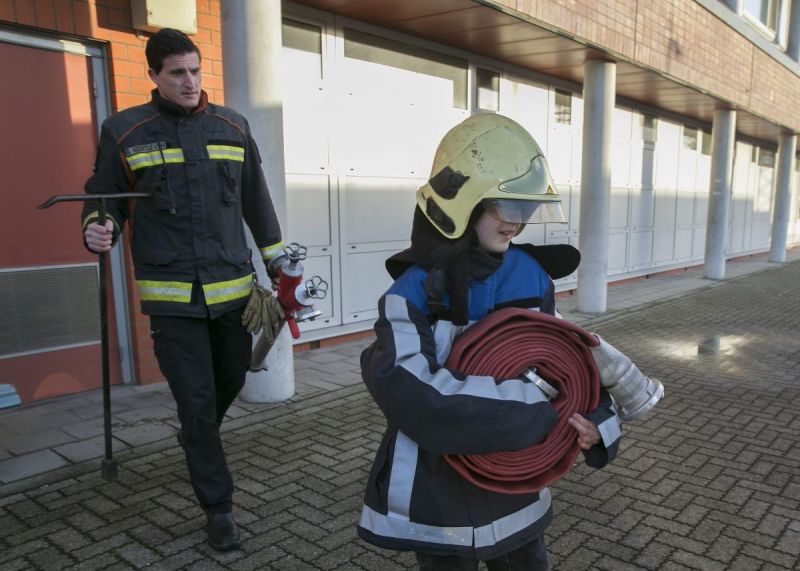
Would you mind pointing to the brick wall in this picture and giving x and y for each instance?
(682, 40)
(110, 21)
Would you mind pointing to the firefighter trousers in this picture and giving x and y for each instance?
(205, 362)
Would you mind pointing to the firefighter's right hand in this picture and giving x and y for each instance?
(99, 238)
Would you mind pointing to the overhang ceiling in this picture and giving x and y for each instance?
(484, 30)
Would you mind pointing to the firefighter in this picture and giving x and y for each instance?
(489, 179)
(202, 169)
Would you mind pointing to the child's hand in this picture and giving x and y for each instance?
(588, 435)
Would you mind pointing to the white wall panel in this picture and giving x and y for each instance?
(310, 201)
(642, 209)
(621, 147)
(364, 280)
(377, 209)
(617, 251)
(640, 254)
(683, 244)
(527, 102)
(667, 155)
(618, 208)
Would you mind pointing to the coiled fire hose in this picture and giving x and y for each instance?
(503, 345)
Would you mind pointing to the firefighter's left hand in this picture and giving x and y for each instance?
(588, 435)
(272, 317)
(263, 312)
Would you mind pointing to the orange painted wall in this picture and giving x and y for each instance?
(109, 21)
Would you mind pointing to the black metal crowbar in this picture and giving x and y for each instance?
(109, 466)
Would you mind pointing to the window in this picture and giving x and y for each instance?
(766, 14)
(690, 138)
(375, 49)
(766, 158)
(304, 38)
(487, 83)
(649, 129)
(563, 110)
(706, 144)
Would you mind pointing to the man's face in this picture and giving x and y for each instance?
(179, 79)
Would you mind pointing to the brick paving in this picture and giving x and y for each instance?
(709, 481)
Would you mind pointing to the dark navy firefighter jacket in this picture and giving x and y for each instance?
(203, 173)
(414, 499)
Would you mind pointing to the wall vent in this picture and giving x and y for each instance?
(47, 308)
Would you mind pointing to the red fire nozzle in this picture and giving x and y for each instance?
(296, 296)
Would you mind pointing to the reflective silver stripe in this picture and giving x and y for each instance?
(225, 152)
(401, 483)
(484, 536)
(610, 430)
(408, 356)
(269, 252)
(507, 526)
(142, 160)
(173, 155)
(444, 333)
(390, 526)
(226, 291)
(152, 290)
(152, 158)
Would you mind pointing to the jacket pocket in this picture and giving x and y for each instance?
(155, 182)
(155, 257)
(230, 174)
(236, 257)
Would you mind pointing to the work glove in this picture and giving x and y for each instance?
(263, 312)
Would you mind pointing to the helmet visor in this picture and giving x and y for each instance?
(523, 211)
(536, 182)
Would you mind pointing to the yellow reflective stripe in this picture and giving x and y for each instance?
(226, 291)
(151, 290)
(173, 155)
(269, 252)
(141, 160)
(225, 152)
(95, 216)
(152, 158)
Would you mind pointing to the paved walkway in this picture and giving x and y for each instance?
(710, 480)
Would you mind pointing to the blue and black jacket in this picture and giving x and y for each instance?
(414, 499)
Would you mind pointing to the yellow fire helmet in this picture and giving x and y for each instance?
(489, 159)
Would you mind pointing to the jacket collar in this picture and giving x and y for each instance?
(170, 108)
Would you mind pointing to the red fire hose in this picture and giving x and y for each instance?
(504, 344)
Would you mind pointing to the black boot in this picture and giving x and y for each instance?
(223, 534)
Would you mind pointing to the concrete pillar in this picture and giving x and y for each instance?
(251, 55)
(793, 41)
(719, 200)
(783, 194)
(598, 107)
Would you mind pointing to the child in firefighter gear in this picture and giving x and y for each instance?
(489, 178)
(202, 169)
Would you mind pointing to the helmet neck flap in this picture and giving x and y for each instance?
(451, 265)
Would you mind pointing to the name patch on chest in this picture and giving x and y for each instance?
(146, 148)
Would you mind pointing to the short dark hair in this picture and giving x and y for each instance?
(167, 42)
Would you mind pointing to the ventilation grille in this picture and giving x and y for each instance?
(48, 308)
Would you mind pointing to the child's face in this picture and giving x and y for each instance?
(494, 236)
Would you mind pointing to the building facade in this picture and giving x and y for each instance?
(370, 86)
